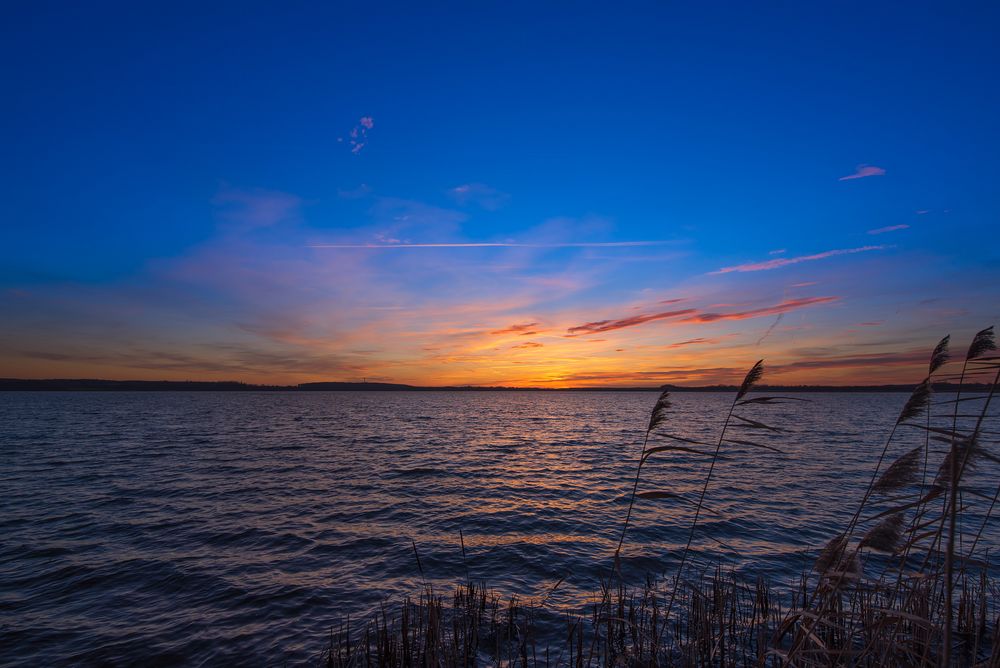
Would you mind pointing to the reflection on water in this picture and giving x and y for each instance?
(191, 527)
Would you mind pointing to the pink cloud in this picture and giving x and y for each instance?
(359, 134)
(862, 171)
(783, 307)
(891, 228)
(785, 261)
(610, 325)
(690, 315)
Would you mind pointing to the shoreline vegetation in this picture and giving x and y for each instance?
(907, 582)
(101, 385)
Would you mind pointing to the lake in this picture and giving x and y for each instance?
(202, 528)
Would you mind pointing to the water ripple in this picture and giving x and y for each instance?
(212, 528)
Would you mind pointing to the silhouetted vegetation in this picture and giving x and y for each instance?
(905, 583)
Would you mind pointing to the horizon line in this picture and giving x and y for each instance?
(682, 387)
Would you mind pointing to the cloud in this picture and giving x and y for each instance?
(688, 316)
(610, 325)
(692, 342)
(770, 329)
(354, 193)
(252, 209)
(862, 171)
(778, 251)
(503, 244)
(528, 344)
(710, 374)
(358, 137)
(803, 370)
(891, 228)
(785, 261)
(523, 329)
(481, 194)
(782, 307)
(910, 358)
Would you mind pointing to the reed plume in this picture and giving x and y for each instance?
(886, 535)
(940, 356)
(880, 634)
(917, 403)
(982, 343)
(900, 473)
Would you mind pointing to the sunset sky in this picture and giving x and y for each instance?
(524, 194)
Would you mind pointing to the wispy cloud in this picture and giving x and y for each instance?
(523, 329)
(354, 193)
(862, 171)
(501, 244)
(891, 228)
(785, 261)
(770, 329)
(909, 358)
(621, 323)
(251, 209)
(782, 307)
(488, 198)
(690, 315)
(874, 367)
(694, 342)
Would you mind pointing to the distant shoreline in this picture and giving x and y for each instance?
(95, 385)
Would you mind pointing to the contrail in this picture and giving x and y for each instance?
(605, 244)
(771, 328)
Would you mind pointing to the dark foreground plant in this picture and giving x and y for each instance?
(928, 511)
(904, 583)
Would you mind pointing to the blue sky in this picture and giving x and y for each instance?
(170, 171)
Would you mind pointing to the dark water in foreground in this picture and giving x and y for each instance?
(204, 528)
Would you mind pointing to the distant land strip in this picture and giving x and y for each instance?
(94, 385)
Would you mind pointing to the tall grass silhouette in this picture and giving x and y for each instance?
(904, 583)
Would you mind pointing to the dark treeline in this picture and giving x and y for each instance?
(92, 385)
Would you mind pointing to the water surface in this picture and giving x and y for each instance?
(206, 528)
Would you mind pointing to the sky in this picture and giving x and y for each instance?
(521, 194)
